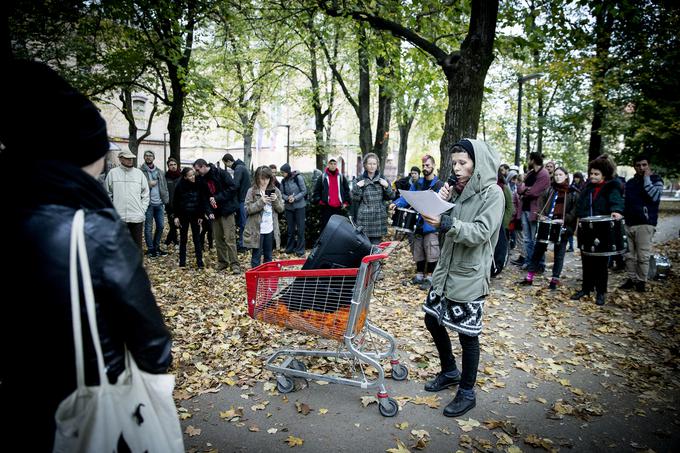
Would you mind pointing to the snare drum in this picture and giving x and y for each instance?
(602, 235)
(405, 219)
(549, 231)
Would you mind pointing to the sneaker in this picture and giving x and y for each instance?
(553, 284)
(443, 381)
(426, 284)
(416, 281)
(525, 282)
(152, 254)
(570, 249)
(235, 269)
(628, 284)
(599, 300)
(580, 294)
(518, 262)
(162, 253)
(462, 403)
(640, 287)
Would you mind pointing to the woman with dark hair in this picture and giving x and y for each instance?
(559, 206)
(460, 282)
(263, 204)
(188, 212)
(369, 193)
(601, 196)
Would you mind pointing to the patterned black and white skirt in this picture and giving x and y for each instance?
(463, 317)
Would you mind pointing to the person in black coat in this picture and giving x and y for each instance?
(38, 368)
(242, 184)
(601, 196)
(188, 212)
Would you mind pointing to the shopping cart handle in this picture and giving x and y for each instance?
(371, 258)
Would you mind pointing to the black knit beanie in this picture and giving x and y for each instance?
(467, 146)
(285, 168)
(45, 118)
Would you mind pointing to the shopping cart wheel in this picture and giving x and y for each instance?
(297, 365)
(284, 384)
(399, 372)
(390, 408)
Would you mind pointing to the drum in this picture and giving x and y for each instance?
(601, 235)
(659, 267)
(549, 231)
(404, 219)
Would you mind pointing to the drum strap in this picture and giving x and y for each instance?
(552, 205)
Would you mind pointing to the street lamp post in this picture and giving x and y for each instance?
(287, 126)
(518, 134)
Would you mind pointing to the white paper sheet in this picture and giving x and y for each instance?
(426, 202)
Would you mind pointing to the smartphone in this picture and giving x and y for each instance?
(270, 192)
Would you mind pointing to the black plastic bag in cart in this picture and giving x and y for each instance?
(340, 245)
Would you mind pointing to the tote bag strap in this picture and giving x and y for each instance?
(78, 254)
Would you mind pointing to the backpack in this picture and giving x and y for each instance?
(297, 181)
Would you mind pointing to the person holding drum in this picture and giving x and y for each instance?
(600, 199)
(369, 193)
(556, 224)
(425, 247)
(460, 281)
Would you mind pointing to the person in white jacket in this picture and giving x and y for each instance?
(129, 191)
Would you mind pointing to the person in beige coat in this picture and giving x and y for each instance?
(263, 204)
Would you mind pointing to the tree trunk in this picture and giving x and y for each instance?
(320, 148)
(365, 139)
(382, 129)
(465, 73)
(176, 115)
(603, 26)
(404, 130)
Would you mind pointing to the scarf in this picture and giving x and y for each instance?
(561, 190)
(597, 187)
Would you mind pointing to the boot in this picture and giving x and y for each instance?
(640, 287)
(443, 381)
(462, 403)
(599, 300)
(580, 294)
(553, 284)
(628, 284)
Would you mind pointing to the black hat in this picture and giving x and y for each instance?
(46, 111)
(467, 146)
(285, 168)
(415, 169)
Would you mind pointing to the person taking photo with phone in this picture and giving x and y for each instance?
(263, 204)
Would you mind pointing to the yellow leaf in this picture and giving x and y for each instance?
(366, 400)
(323, 411)
(401, 448)
(191, 431)
(294, 441)
(402, 425)
(468, 425)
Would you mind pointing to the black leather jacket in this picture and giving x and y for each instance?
(37, 370)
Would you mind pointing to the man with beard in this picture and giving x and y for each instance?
(128, 189)
(426, 239)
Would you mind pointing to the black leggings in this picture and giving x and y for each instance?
(470, 346)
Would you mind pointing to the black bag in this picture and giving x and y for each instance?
(339, 246)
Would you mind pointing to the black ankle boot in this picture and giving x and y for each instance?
(599, 300)
(580, 294)
(629, 284)
(443, 380)
(460, 404)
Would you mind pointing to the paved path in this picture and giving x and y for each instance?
(562, 374)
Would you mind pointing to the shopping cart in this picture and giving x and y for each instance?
(333, 304)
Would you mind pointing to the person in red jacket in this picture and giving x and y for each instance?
(331, 192)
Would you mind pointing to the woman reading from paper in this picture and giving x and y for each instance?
(460, 281)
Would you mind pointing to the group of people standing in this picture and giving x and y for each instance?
(546, 194)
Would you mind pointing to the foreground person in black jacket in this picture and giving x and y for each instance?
(42, 187)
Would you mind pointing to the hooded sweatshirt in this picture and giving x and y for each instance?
(472, 225)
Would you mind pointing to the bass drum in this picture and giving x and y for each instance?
(602, 235)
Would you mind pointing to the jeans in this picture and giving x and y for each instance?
(539, 254)
(529, 228)
(266, 247)
(470, 346)
(185, 223)
(296, 231)
(241, 217)
(154, 214)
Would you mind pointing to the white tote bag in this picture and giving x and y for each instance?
(138, 409)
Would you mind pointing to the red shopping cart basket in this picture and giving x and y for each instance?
(330, 303)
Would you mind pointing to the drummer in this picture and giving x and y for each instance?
(425, 246)
(559, 207)
(601, 196)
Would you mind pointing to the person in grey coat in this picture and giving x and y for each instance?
(294, 193)
(370, 191)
